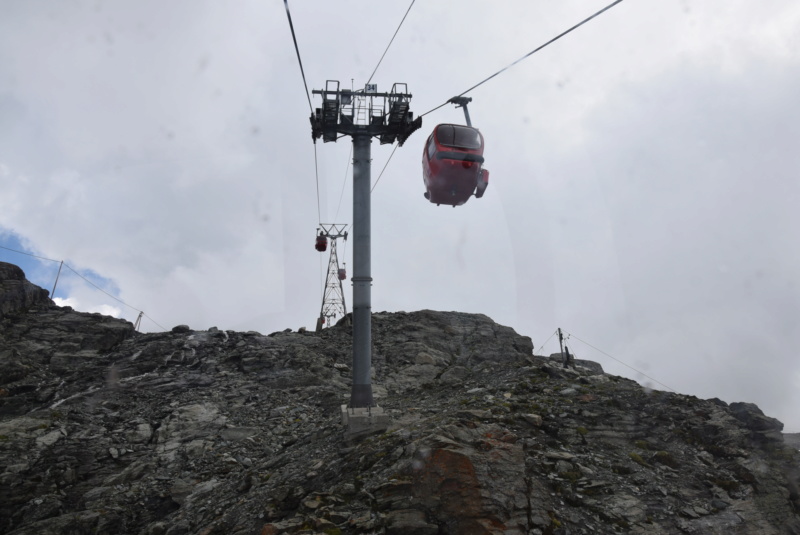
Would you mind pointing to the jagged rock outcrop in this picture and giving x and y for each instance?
(17, 293)
(103, 431)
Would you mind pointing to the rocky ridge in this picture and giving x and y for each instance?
(104, 430)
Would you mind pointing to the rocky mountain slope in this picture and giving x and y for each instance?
(106, 431)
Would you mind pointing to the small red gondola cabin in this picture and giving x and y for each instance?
(322, 243)
(452, 165)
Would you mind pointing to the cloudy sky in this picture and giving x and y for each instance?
(644, 171)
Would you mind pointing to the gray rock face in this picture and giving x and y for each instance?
(42, 346)
(103, 430)
(17, 293)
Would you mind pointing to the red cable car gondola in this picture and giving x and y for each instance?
(452, 162)
(322, 243)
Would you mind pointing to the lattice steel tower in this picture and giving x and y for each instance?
(333, 303)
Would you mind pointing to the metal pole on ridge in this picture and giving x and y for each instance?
(53, 293)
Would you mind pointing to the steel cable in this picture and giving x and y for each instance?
(344, 183)
(87, 280)
(384, 167)
(310, 106)
(29, 254)
(556, 38)
(545, 342)
(390, 42)
(616, 359)
(316, 175)
(297, 49)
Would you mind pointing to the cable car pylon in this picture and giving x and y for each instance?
(363, 114)
(333, 302)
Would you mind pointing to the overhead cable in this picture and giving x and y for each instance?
(308, 96)
(316, 175)
(114, 298)
(616, 359)
(373, 74)
(99, 288)
(321, 284)
(300, 61)
(29, 254)
(87, 280)
(390, 42)
(344, 251)
(344, 183)
(556, 38)
(545, 342)
(384, 167)
(154, 321)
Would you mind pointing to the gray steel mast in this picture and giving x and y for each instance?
(362, 114)
(361, 395)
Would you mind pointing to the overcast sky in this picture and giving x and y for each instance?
(644, 171)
